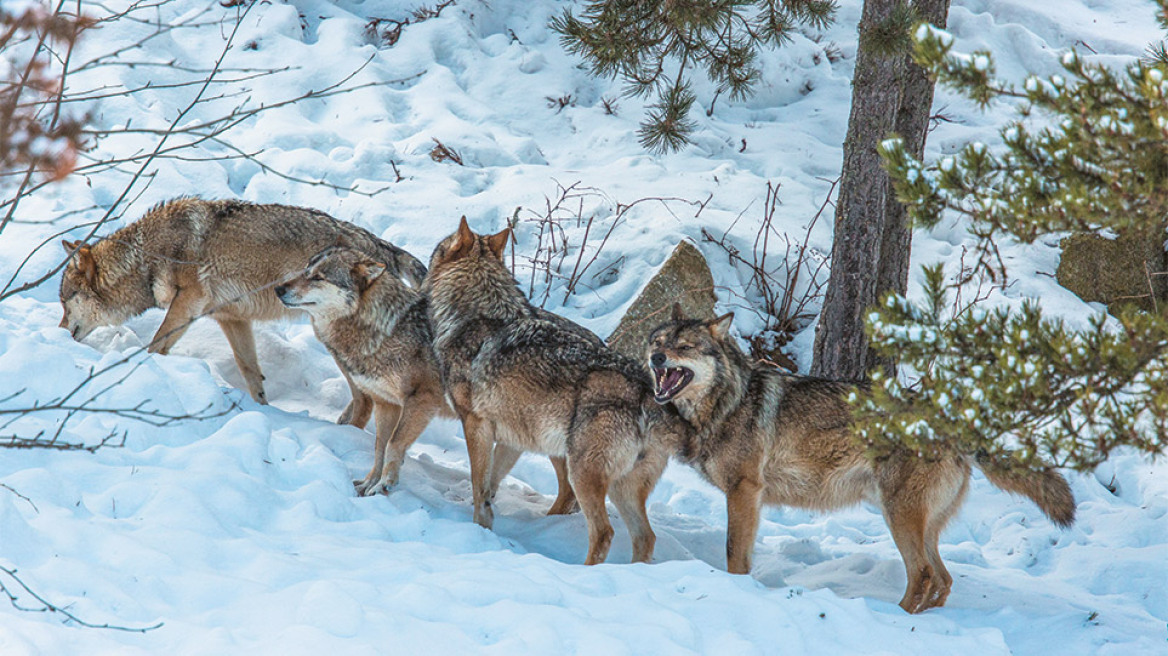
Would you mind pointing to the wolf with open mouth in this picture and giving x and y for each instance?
(767, 437)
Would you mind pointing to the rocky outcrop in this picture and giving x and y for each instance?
(684, 278)
(1115, 272)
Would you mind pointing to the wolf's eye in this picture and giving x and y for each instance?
(317, 277)
(684, 347)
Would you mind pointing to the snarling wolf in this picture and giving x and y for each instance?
(766, 437)
(375, 326)
(215, 257)
(529, 382)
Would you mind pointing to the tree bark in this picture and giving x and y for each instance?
(840, 344)
(912, 124)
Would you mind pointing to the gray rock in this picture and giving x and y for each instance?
(684, 278)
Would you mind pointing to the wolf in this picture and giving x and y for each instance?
(528, 382)
(376, 327)
(217, 257)
(767, 437)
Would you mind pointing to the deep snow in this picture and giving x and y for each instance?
(241, 533)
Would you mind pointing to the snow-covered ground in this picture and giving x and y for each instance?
(241, 533)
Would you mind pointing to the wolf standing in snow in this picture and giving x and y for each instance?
(217, 257)
(530, 383)
(763, 436)
(375, 326)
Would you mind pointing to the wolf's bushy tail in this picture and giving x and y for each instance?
(1046, 488)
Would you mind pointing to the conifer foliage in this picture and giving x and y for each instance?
(1089, 152)
(655, 44)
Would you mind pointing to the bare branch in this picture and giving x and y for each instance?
(781, 294)
(48, 607)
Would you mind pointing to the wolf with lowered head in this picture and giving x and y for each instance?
(531, 383)
(766, 437)
(218, 257)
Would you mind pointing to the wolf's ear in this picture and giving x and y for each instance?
(463, 242)
(677, 314)
(498, 242)
(465, 234)
(720, 327)
(70, 246)
(368, 271)
(87, 264)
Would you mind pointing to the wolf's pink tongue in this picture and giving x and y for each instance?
(671, 378)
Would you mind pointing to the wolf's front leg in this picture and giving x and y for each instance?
(743, 500)
(186, 305)
(387, 417)
(360, 408)
(242, 341)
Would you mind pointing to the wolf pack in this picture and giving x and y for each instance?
(457, 338)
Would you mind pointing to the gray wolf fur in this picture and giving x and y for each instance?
(763, 436)
(220, 257)
(523, 380)
(376, 327)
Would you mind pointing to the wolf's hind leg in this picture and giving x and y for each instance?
(908, 532)
(590, 482)
(502, 461)
(565, 502)
(415, 416)
(951, 482)
(480, 442)
(905, 493)
(242, 341)
(630, 494)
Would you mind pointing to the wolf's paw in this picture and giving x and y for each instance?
(484, 516)
(371, 487)
(928, 591)
(363, 485)
(383, 485)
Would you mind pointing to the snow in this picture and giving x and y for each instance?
(241, 533)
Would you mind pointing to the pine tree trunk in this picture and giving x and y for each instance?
(841, 348)
(912, 124)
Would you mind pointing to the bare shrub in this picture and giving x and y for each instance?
(37, 135)
(443, 153)
(572, 229)
(386, 31)
(782, 291)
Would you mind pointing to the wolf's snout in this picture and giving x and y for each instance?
(73, 328)
(657, 359)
